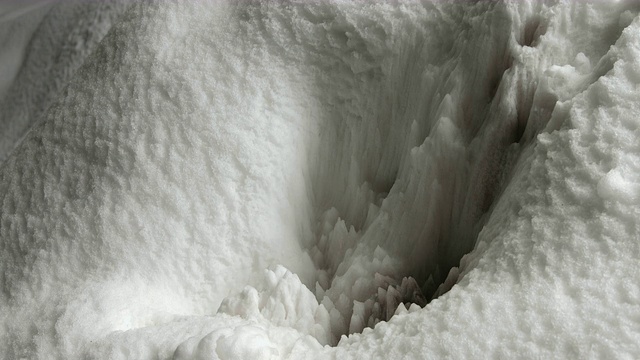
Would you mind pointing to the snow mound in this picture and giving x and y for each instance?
(330, 180)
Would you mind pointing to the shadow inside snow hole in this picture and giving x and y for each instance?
(534, 28)
(410, 161)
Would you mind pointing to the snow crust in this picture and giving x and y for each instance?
(246, 180)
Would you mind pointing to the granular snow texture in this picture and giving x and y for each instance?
(41, 50)
(257, 180)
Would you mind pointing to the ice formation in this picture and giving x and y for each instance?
(257, 180)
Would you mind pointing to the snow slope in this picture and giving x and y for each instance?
(43, 44)
(258, 180)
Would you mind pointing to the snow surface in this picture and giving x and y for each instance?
(246, 180)
(42, 47)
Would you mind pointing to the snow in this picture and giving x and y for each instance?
(325, 180)
(41, 50)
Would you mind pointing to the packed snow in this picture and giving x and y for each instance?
(286, 180)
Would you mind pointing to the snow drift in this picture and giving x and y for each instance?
(262, 179)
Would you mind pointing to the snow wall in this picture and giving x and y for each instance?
(256, 180)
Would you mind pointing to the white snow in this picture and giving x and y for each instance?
(43, 44)
(258, 180)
